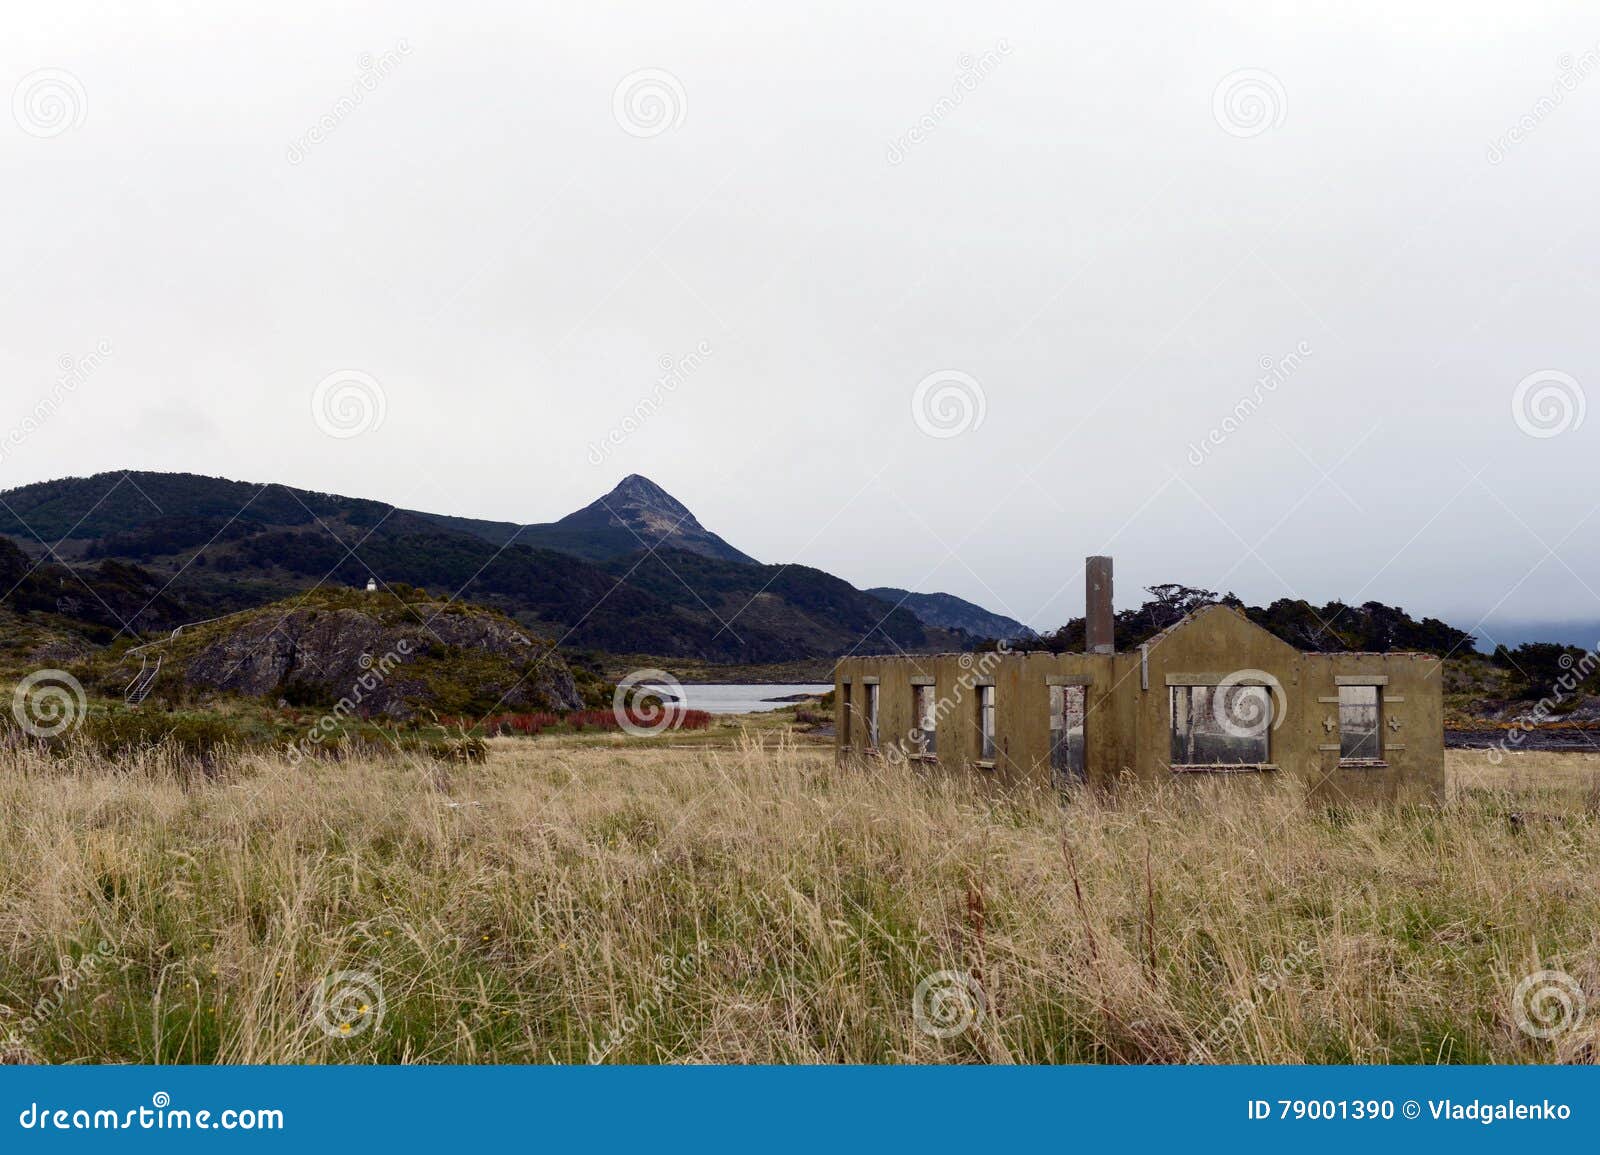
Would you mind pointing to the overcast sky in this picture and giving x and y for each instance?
(960, 292)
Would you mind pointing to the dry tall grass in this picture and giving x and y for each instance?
(560, 903)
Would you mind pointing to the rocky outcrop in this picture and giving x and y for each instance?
(656, 519)
(391, 660)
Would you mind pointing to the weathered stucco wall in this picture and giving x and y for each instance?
(1410, 724)
(1127, 729)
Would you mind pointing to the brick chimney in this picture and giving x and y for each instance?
(1099, 625)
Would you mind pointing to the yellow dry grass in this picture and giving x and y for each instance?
(565, 902)
(1566, 777)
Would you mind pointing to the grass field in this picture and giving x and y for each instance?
(569, 901)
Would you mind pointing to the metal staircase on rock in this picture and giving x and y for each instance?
(139, 689)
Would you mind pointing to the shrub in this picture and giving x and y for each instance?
(465, 749)
(608, 720)
(123, 732)
(533, 724)
(299, 692)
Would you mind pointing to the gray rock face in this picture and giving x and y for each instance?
(457, 661)
(655, 516)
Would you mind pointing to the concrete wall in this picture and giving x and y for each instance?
(1410, 725)
(1127, 730)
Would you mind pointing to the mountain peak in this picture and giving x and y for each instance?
(637, 490)
(655, 517)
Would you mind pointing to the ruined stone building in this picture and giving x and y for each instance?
(1213, 695)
